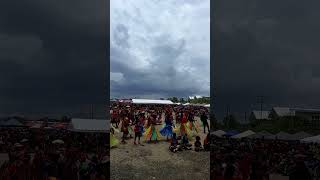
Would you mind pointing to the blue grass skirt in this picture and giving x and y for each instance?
(166, 131)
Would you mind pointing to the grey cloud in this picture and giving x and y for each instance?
(53, 55)
(266, 48)
(154, 59)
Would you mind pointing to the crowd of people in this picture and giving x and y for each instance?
(260, 159)
(141, 121)
(39, 154)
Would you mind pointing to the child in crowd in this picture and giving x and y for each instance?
(185, 142)
(197, 144)
(175, 146)
(138, 129)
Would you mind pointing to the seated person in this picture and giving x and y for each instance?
(174, 146)
(197, 144)
(185, 143)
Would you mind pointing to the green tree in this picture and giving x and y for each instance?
(175, 99)
(182, 100)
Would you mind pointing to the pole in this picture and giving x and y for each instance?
(228, 117)
(260, 100)
(245, 117)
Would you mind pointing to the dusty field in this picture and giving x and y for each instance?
(155, 161)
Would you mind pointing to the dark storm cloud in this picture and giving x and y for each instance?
(268, 48)
(159, 48)
(53, 55)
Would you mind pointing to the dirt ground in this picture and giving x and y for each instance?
(155, 161)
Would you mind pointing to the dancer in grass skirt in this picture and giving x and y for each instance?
(130, 129)
(124, 129)
(113, 140)
(192, 123)
(139, 129)
(115, 117)
(167, 130)
(152, 134)
(184, 129)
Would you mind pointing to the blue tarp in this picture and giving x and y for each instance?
(231, 133)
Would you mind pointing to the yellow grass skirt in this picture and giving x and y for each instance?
(183, 129)
(113, 140)
(151, 133)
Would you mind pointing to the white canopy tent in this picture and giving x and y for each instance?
(207, 105)
(218, 133)
(300, 135)
(243, 134)
(89, 125)
(260, 135)
(313, 139)
(151, 101)
(283, 136)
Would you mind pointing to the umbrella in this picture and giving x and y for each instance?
(300, 156)
(18, 145)
(58, 141)
(24, 140)
(218, 133)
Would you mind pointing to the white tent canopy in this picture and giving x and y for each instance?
(207, 105)
(89, 125)
(151, 101)
(313, 139)
(243, 134)
(218, 133)
(300, 135)
(283, 136)
(262, 134)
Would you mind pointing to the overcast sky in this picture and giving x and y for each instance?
(159, 48)
(269, 48)
(52, 55)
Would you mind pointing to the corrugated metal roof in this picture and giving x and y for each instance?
(306, 110)
(90, 125)
(257, 114)
(283, 111)
(286, 111)
(11, 122)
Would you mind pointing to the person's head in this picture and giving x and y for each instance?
(174, 135)
(198, 138)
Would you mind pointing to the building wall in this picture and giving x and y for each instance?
(310, 118)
